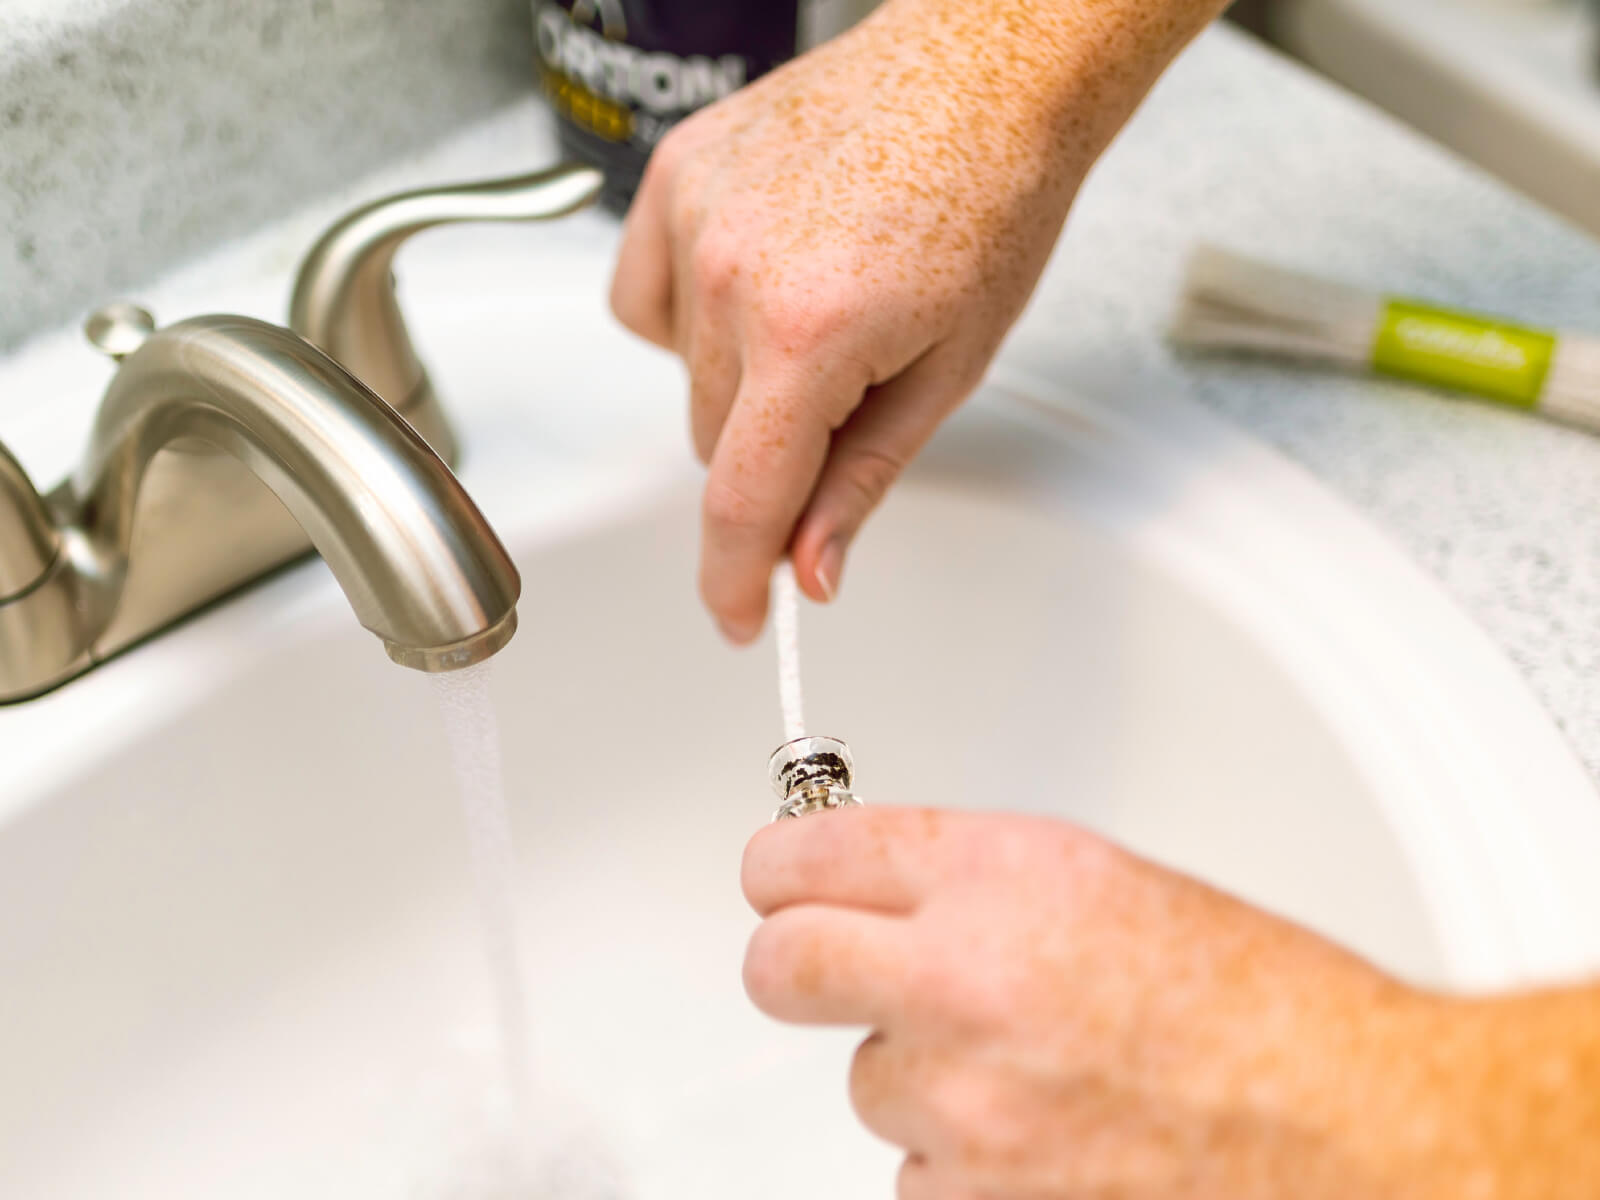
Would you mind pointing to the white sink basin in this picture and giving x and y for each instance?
(239, 957)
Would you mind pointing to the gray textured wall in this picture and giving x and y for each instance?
(135, 133)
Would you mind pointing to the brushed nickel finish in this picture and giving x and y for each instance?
(226, 447)
(222, 444)
(28, 538)
(344, 298)
(118, 329)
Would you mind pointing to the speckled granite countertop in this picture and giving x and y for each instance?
(1241, 147)
(137, 132)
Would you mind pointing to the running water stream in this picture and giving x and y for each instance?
(534, 1152)
(474, 738)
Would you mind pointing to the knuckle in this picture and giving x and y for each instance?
(1094, 864)
(633, 310)
(727, 508)
(800, 318)
(766, 966)
(670, 152)
(947, 996)
(1030, 846)
(978, 1125)
(1001, 1141)
(867, 473)
(715, 262)
(953, 1109)
(869, 1077)
(1018, 848)
(751, 871)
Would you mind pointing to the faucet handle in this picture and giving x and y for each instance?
(118, 329)
(344, 300)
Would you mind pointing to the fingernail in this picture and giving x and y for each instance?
(829, 565)
(737, 633)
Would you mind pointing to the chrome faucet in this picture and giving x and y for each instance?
(227, 446)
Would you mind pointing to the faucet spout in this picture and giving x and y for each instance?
(418, 562)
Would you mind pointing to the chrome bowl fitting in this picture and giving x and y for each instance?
(811, 775)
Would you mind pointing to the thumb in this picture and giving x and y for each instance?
(868, 453)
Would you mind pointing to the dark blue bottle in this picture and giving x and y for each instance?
(620, 73)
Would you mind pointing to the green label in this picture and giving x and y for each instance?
(1462, 351)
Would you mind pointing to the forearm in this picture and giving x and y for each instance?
(1388, 1092)
(1518, 1081)
(1442, 1098)
(1079, 66)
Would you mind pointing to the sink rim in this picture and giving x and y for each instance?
(1501, 829)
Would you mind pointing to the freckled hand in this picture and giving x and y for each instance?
(837, 250)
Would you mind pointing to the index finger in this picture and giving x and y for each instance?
(763, 470)
(877, 858)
